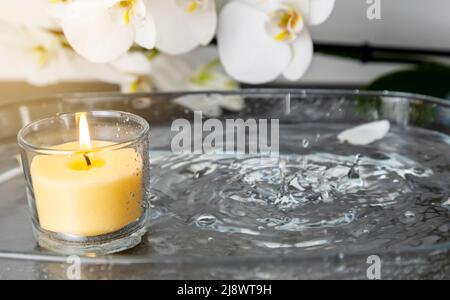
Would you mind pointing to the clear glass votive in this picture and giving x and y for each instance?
(87, 180)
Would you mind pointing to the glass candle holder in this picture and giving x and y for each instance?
(87, 180)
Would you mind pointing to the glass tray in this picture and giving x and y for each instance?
(228, 254)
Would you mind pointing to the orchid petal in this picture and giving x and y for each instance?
(196, 71)
(320, 10)
(247, 51)
(45, 75)
(302, 56)
(366, 134)
(94, 34)
(58, 10)
(133, 63)
(209, 107)
(207, 20)
(188, 31)
(145, 32)
(20, 60)
(140, 9)
(262, 5)
(101, 72)
(169, 73)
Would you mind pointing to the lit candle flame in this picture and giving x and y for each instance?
(85, 137)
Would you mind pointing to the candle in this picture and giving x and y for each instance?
(87, 179)
(88, 193)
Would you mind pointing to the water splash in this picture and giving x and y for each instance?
(336, 196)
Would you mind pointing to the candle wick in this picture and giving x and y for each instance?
(88, 160)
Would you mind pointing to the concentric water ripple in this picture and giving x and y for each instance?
(350, 198)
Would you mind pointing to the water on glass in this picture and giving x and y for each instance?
(318, 203)
(319, 195)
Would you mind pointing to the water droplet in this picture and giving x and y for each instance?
(354, 170)
(409, 217)
(419, 171)
(444, 228)
(410, 214)
(326, 197)
(238, 212)
(305, 143)
(206, 220)
(354, 173)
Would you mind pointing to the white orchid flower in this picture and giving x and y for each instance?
(259, 40)
(35, 55)
(104, 30)
(183, 25)
(199, 70)
(43, 57)
(138, 64)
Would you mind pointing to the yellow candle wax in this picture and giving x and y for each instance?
(73, 197)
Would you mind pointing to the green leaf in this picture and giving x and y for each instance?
(431, 80)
